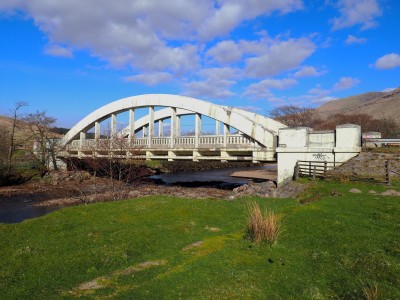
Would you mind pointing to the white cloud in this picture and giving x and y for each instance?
(345, 83)
(279, 57)
(355, 12)
(214, 83)
(231, 13)
(263, 88)
(315, 96)
(58, 51)
(225, 52)
(307, 71)
(387, 90)
(140, 34)
(355, 40)
(319, 91)
(150, 78)
(388, 61)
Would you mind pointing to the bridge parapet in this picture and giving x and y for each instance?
(208, 141)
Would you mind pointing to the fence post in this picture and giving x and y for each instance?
(309, 168)
(313, 175)
(387, 169)
(325, 168)
(296, 171)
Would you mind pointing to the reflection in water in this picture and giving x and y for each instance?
(17, 214)
(222, 175)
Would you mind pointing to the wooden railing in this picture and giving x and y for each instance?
(314, 168)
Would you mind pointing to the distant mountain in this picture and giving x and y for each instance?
(377, 104)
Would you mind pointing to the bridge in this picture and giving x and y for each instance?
(245, 136)
(238, 135)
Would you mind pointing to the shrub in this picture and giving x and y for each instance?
(371, 292)
(262, 227)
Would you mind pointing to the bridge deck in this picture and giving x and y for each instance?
(215, 147)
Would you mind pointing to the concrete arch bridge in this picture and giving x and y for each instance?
(239, 135)
(254, 138)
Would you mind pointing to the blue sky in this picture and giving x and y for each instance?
(71, 57)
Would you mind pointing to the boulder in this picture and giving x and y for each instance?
(390, 193)
(134, 194)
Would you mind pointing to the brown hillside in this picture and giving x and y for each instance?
(378, 104)
(23, 134)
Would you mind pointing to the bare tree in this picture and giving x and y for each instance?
(44, 149)
(295, 116)
(113, 162)
(15, 117)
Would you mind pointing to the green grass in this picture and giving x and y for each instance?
(330, 248)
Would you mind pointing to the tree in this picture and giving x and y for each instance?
(45, 143)
(295, 116)
(387, 126)
(15, 117)
(112, 159)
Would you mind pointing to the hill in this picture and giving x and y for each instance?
(378, 104)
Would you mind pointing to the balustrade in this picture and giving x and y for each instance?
(215, 141)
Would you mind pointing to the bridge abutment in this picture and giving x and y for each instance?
(303, 144)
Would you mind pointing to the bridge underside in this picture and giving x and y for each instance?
(209, 148)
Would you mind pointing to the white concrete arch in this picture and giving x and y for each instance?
(165, 114)
(260, 128)
(158, 115)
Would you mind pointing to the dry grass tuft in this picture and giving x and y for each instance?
(371, 292)
(262, 227)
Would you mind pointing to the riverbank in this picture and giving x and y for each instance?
(164, 247)
(34, 198)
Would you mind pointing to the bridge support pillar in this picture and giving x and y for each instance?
(149, 155)
(226, 132)
(82, 138)
(178, 126)
(196, 155)
(131, 125)
(113, 125)
(96, 131)
(173, 127)
(160, 128)
(171, 155)
(197, 130)
(150, 134)
(144, 131)
(224, 156)
(217, 127)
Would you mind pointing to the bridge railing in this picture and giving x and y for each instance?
(186, 142)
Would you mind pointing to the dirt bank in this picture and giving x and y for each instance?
(73, 188)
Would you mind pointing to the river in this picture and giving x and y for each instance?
(219, 178)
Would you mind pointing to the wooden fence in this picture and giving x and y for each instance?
(320, 169)
(314, 168)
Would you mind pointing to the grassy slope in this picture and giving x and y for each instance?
(330, 248)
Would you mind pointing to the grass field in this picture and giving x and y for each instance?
(342, 246)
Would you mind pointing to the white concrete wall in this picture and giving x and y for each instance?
(293, 137)
(302, 144)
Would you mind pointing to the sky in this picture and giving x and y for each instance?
(72, 57)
